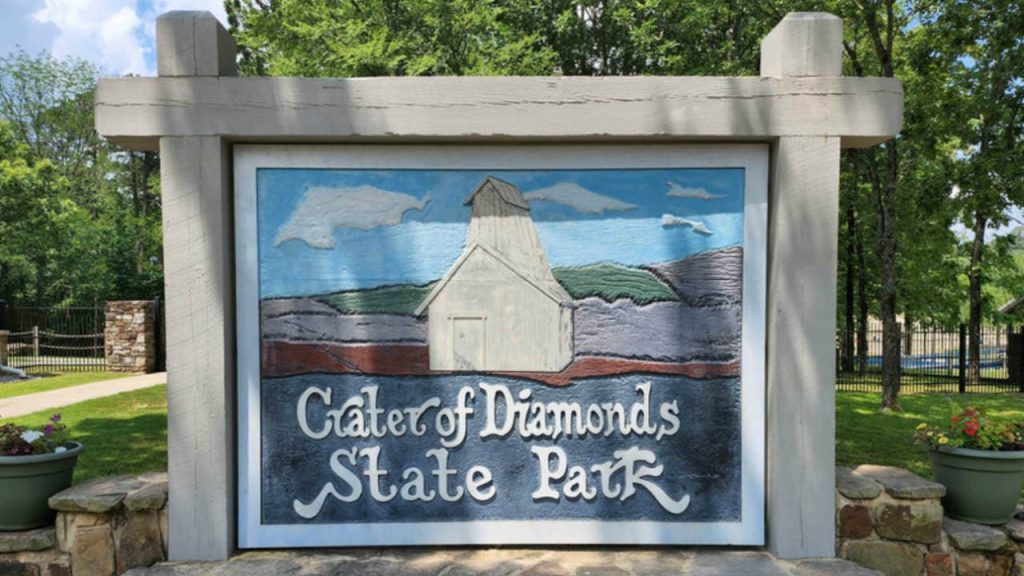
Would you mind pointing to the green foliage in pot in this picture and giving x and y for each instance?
(21, 441)
(971, 428)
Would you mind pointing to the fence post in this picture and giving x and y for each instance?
(1014, 356)
(3, 347)
(908, 339)
(3, 315)
(899, 354)
(159, 334)
(1020, 355)
(962, 364)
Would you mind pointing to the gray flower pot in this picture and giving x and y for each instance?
(27, 482)
(981, 486)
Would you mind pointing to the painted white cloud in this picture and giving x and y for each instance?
(578, 198)
(322, 210)
(677, 191)
(119, 36)
(671, 221)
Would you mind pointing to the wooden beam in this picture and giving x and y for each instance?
(136, 112)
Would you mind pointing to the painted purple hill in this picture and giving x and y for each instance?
(662, 331)
(713, 278)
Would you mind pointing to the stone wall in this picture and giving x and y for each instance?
(104, 527)
(891, 520)
(130, 336)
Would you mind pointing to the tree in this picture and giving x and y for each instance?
(48, 103)
(510, 37)
(980, 44)
(79, 221)
(870, 49)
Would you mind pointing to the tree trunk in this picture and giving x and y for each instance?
(882, 37)
(974, 315)
(888, 292)
(862, 305)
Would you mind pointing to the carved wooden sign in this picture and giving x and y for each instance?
(469, 345)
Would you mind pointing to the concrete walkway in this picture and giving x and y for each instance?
(30, 403)
(508, 562)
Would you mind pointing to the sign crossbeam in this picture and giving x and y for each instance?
(136, 112)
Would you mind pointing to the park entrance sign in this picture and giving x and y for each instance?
(556, 344)
(500, 310)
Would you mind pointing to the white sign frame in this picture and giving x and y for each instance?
(749, 531)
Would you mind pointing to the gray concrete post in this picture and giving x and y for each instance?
(199, 283)
(802, 258)
(193, 44)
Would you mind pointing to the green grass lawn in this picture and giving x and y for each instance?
(866, 436)
(122, 434)
(20, 387)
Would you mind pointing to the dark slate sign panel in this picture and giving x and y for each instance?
(636, 447)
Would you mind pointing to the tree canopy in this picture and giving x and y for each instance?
(79, 220)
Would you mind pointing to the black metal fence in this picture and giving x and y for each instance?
(160, 331)
(46, 339)
(935, 360)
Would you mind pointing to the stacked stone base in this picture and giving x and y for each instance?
(32, 553)
(130, 336)
(887, 519)
(891, 520)
(104, 527)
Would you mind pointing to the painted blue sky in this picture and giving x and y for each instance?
(312, 238)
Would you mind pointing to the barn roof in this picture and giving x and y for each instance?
(552, 289)
(506, 191)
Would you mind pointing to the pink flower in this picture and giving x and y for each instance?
(48, 430)
(55, 418)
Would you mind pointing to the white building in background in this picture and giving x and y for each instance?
(499, 307)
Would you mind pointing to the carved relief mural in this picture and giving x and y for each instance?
(500, 345)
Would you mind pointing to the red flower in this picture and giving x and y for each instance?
(971, 429)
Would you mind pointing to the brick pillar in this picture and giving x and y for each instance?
(130, 336)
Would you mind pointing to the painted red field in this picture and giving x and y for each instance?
(291, 358)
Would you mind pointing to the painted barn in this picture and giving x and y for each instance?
(499, 307)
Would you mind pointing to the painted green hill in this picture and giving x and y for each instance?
(606, 281)
(611, 282)
(397, 299)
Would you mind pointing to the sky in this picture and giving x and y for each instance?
(327, 230)
(118, 36)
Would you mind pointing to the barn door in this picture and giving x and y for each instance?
(468, 343)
